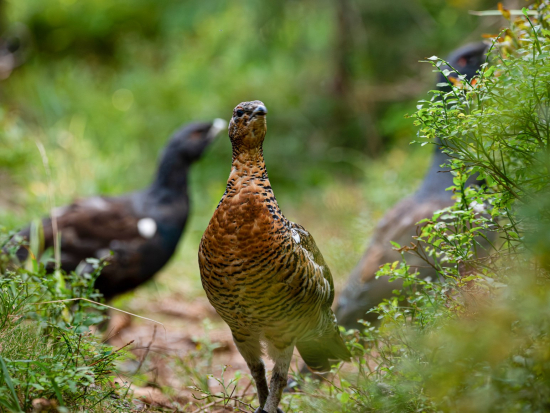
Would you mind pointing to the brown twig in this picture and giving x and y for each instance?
(104, 305)
(245, 390)
(200, 409)
(147, 348)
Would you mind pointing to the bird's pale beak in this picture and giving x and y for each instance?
(260, 110)
(217, 126)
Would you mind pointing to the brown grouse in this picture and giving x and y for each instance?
(263, 274)
(142, 228)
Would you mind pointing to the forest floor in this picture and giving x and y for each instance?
(192, 346)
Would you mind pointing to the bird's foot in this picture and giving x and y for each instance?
(260, 410)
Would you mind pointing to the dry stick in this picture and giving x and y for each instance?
(200, 409)
(104, 305)
(57, 251)
(241, 402)
(223, 399)
(244, 391)
(105, 340)
(147, 350)
(243, 394)
(241, 410)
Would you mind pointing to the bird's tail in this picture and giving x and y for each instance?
(320, 353)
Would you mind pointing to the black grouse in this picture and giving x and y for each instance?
(363, 290)
(142, 228)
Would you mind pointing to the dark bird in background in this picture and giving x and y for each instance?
(263, 274)
(14, 47)
(363, 291)
(142, 228)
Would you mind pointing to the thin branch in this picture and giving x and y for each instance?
(147, 349)
(104, 305)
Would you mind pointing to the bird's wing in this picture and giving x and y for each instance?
(93, 226)
(398, 225)
(101, 219)
(317, 269)
(363, 291)
(327, 346)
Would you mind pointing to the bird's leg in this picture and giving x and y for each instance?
(279, 376)
(251, 351)
(257, 370)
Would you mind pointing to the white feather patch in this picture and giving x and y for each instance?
(147, 227)
(295, 235)
(96, 202)
(59, 211)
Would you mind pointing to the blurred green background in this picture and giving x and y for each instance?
(103, 83)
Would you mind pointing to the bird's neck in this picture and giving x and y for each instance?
(172, 176)
(439, 158)
(248, 171)
(249, 163)
(437, 178)
(248, 193)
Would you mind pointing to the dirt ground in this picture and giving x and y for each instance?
(190, 348)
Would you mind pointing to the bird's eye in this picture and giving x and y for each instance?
(239, 113)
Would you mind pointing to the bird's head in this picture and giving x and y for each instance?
(189, 142)
(248, 126)
(467, 60)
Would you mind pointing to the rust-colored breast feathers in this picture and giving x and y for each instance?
(258, 269)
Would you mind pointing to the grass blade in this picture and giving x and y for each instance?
(9, 383)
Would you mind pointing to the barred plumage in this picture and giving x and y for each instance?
(263, 274)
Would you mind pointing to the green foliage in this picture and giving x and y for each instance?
(477, 339)
(184, 61)
(48, 355)
(228, 391)
(105, 84)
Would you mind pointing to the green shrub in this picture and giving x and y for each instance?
(47, 352)
(478, 340)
